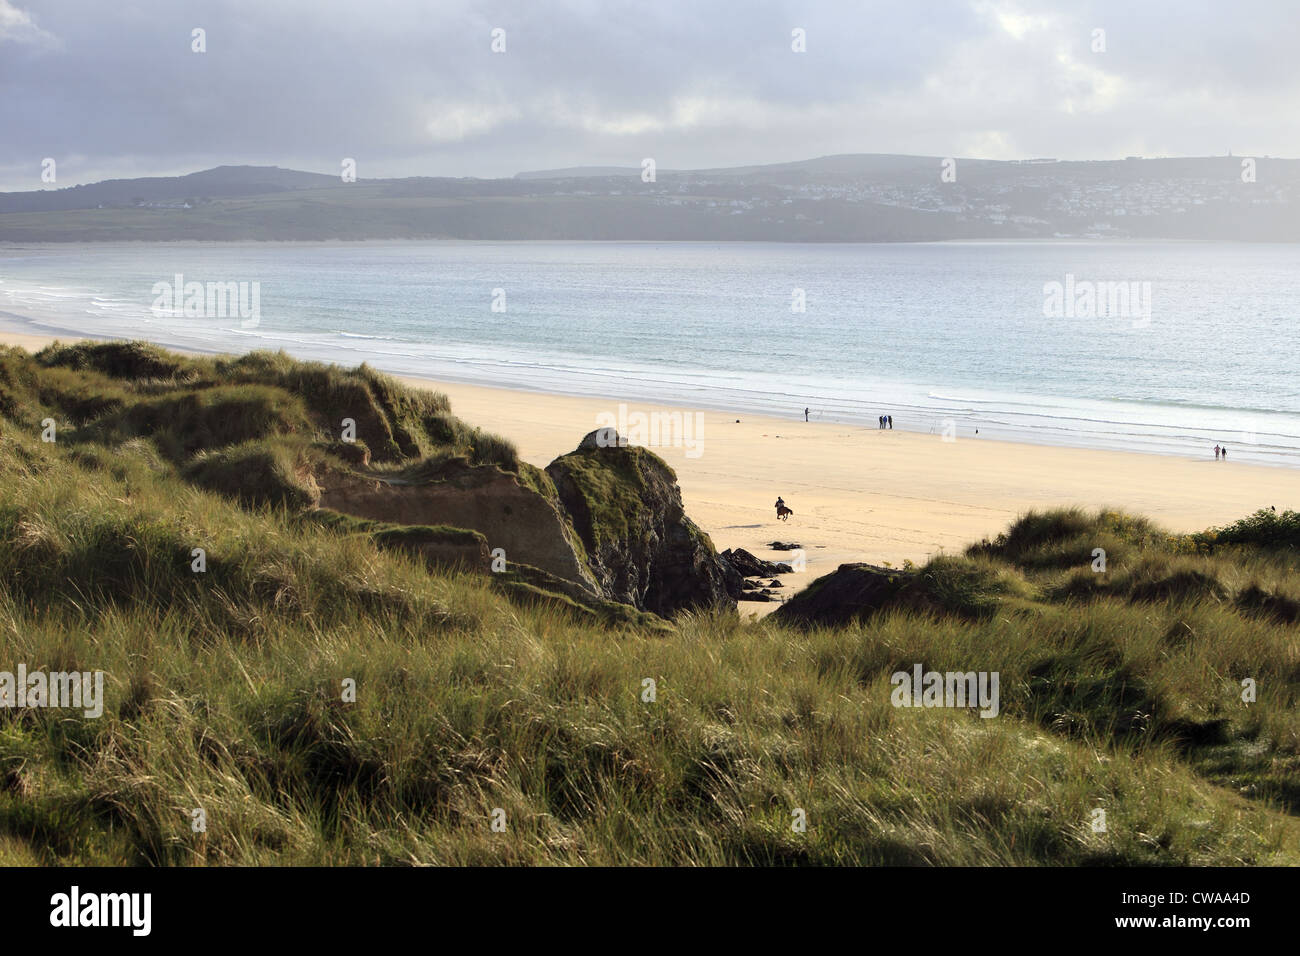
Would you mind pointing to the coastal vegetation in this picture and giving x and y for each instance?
(339, 686)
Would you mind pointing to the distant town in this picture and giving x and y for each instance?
(1042, 197)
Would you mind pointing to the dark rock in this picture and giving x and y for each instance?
(750, 566)
(774, 583)
(732, 579)
(783, 546)
(849, 594)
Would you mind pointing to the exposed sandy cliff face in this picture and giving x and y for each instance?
(525, 524)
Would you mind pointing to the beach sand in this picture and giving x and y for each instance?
(34, 343)
(862, 494)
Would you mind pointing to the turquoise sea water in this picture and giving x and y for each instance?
(938, 335)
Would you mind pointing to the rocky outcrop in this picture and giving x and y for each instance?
(642, 550)
(527, 525)
(358, 451)
(605, 523)
(749, 566)
(741, 566)
(849, 594)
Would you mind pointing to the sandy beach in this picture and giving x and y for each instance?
(862, 494)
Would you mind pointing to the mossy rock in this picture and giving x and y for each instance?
(612, 486)
(626, 509)
(850, 594)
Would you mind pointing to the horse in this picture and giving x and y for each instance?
(783, 513)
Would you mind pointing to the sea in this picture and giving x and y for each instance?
(1168, 347)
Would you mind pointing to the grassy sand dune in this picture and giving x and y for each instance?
(226, 690)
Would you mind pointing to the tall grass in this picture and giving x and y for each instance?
(193, 403)
(1120, 690)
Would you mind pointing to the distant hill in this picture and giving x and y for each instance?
(580, 172)
(219, 182)
(844, 198)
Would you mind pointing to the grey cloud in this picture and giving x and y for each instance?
(412, 88)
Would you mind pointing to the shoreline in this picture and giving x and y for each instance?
(953, 411)
(862, 494)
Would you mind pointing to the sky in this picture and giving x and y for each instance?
(114, 88)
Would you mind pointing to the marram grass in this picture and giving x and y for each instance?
(1121, 691)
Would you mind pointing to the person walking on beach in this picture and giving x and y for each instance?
(805, 414)
(890, 419)
(1224, 452)
(1216, 452)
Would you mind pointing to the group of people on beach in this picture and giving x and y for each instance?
(885, 421)
(1220, 451)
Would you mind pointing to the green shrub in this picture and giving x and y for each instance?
(1266, 528)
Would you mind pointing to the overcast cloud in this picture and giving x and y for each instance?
(112, 89)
